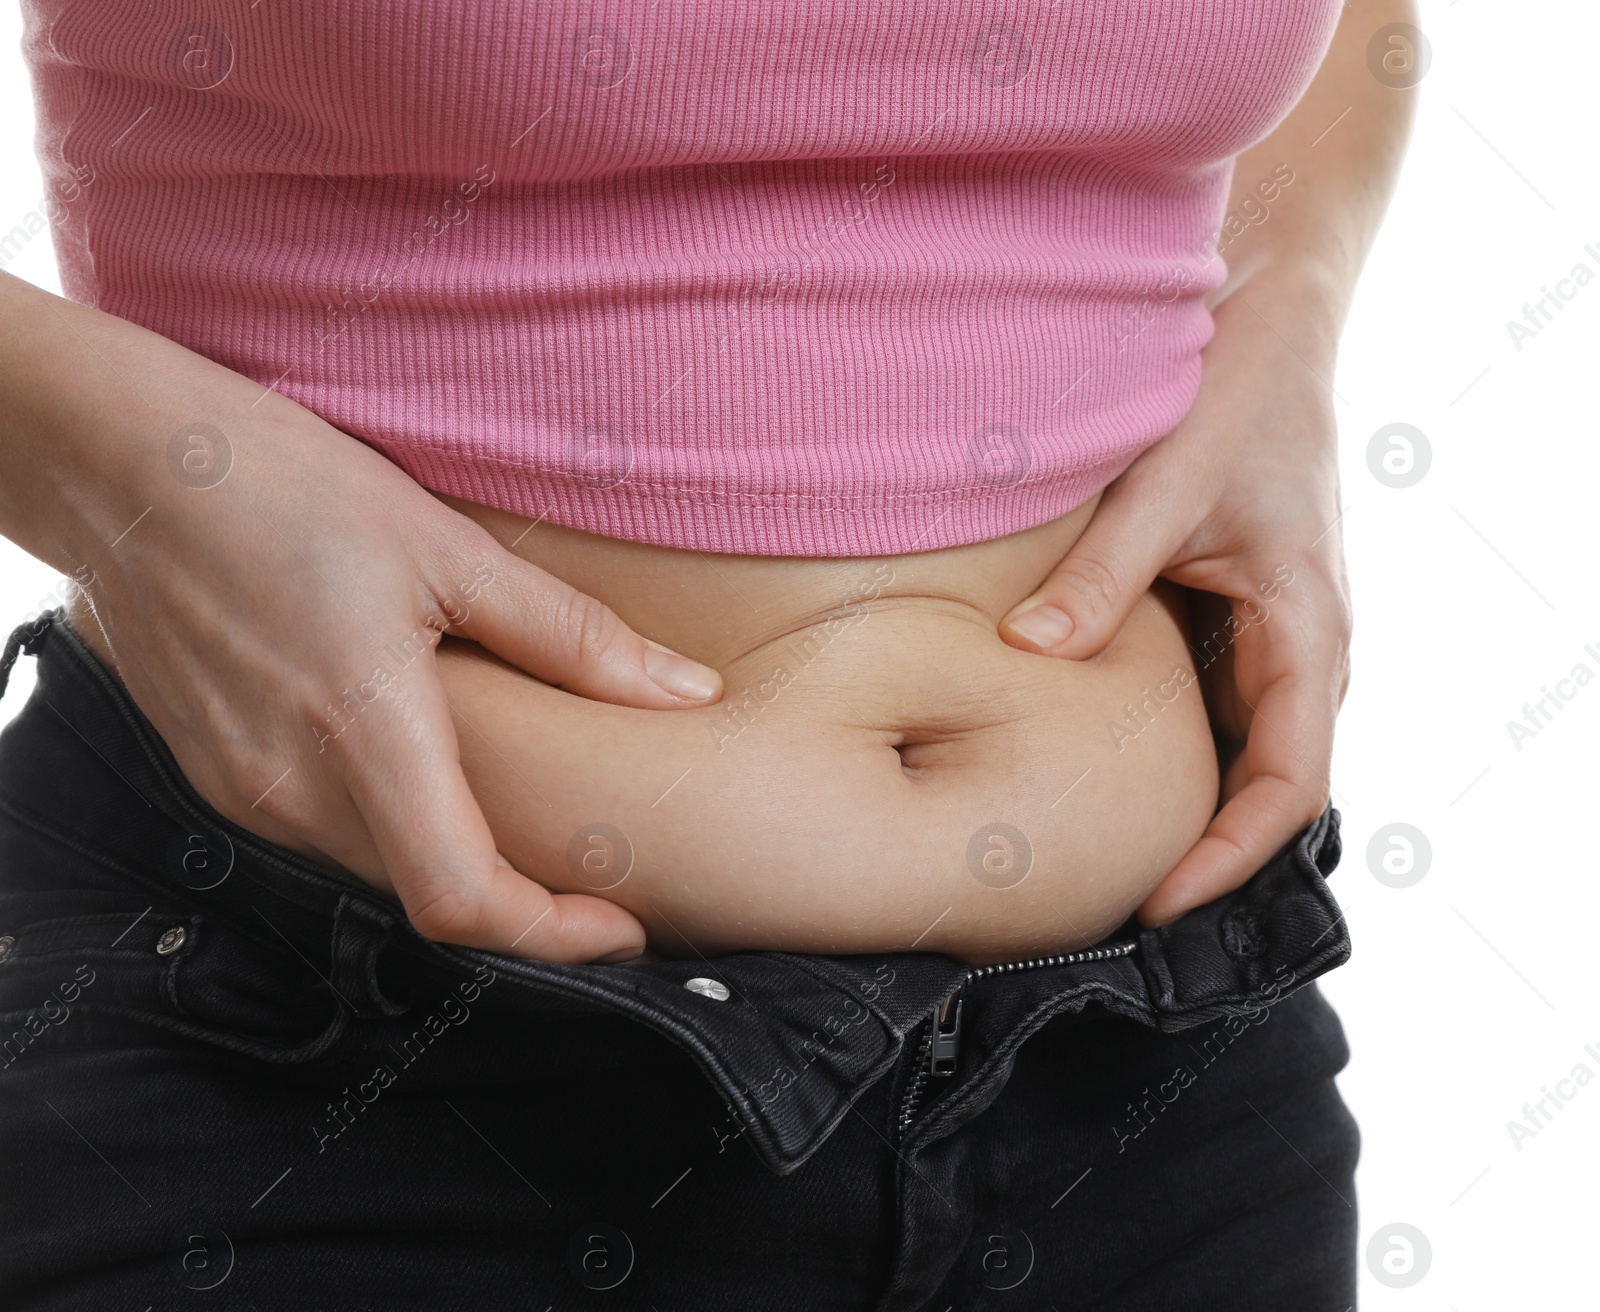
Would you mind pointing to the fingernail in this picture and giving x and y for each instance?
(1043, 626)
(679, 675)
(617, 958)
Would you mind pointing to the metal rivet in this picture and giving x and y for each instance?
(707, 988)
(171, 941)
(7, 943)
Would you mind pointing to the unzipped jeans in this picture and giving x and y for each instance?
(233, 1079)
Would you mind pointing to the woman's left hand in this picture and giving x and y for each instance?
(1240, 502)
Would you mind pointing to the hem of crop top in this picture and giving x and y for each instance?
(775, 523)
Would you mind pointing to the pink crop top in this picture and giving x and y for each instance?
(809, 277)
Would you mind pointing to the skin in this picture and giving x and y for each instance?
(281, 575)
(1250, 478)
(845, 795)
(313, 549)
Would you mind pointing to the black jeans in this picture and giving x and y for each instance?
(232, 1079)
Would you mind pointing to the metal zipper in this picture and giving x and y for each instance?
(941, 1035)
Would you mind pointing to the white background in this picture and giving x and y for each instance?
(1473, 990)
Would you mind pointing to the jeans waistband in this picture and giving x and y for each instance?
(790, 1046)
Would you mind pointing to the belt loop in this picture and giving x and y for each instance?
(27, 637)
(360, 933)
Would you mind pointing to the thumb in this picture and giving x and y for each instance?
(1087, 598)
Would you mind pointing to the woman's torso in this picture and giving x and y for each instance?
(872, 295)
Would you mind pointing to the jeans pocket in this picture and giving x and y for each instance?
(180, 970)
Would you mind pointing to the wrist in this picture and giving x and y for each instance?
(1301, 300)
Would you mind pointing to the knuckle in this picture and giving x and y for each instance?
(445, 913)
(1094, 587)
(586, 629)
(1309, 797)
(1345, 617)
(1317, 800)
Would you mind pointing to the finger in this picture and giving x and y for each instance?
(567, 638)
(1243, 837)
(1090, 594)
(438, 850)
(1280, 782)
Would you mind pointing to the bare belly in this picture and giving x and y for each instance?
(883, 774)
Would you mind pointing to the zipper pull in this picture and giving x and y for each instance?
(946, 1037)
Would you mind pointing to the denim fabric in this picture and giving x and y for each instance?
(231, 1078)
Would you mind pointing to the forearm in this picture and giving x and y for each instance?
(1344, 142)
(88, 403)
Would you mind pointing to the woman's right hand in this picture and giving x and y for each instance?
(271, 591)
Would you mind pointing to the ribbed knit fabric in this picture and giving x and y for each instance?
(786, 277)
